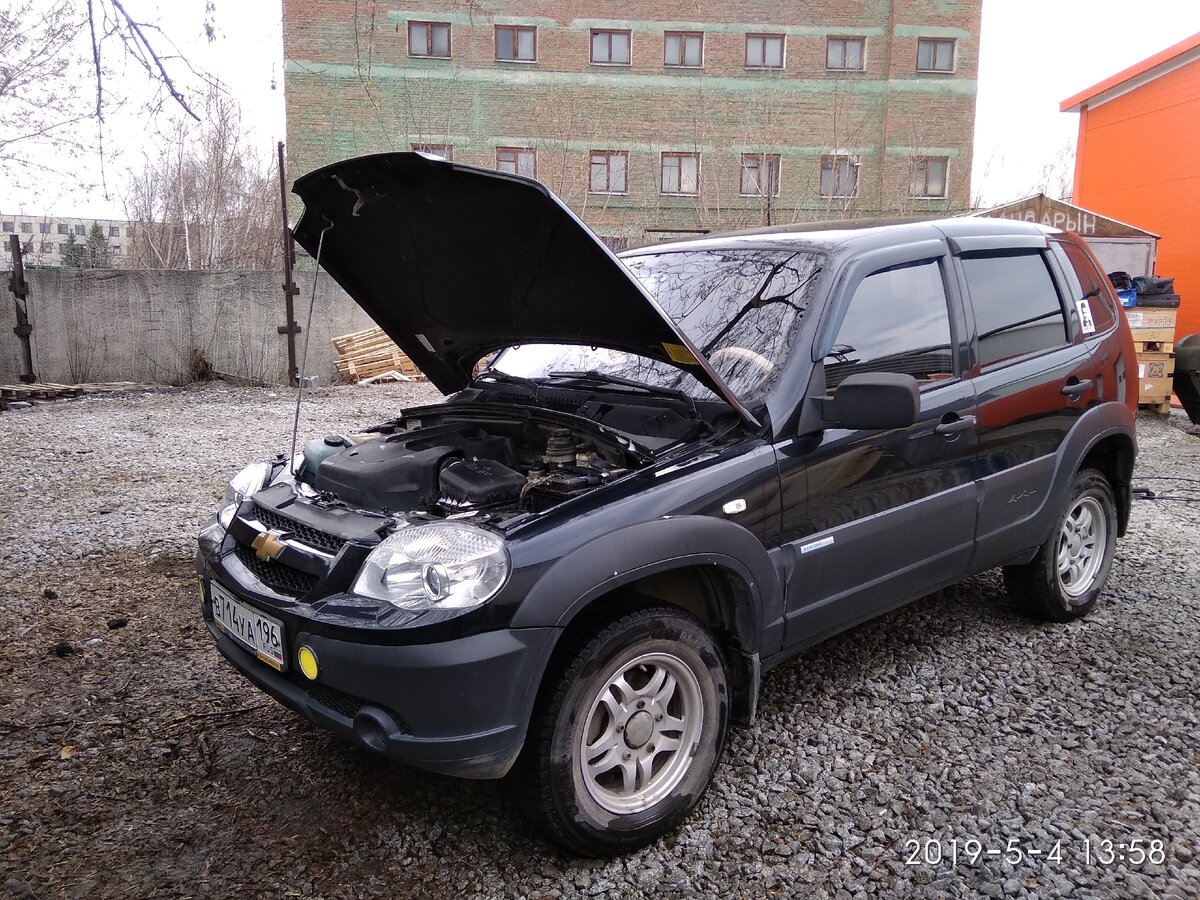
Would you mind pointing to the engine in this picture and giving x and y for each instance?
(458, 466)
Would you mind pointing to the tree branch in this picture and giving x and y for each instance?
(137, 30)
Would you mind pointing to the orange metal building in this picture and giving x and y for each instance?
(1138, 160)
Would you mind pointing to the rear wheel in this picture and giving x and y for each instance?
(1063, 581)
(624, 744)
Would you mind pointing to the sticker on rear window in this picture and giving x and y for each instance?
(1085, 317)
(680, 354)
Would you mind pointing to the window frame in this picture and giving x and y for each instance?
(609, 32)
(761, 157)
(432, 150)
(935, 41)
(1068, 273)
(678, 155)
(516, 32)
(764, 37)
(919, 160)
(835, 159)
(683, 37)
(518, 152)
(847, 39)
(608, 155)
(429, 39)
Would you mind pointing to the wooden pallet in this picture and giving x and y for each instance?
(52, 391)
(364, 355)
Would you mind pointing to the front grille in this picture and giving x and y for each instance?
(281, 578)
(346, 704)
(314, 537)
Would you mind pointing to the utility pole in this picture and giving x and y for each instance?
(20, 292)
(291, 328)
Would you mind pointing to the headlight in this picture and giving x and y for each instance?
(246, 482)
(443, 565)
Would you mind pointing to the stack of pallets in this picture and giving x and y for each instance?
(372, 356)
(1153, 338)
(49, 391)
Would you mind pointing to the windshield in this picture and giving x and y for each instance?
(740, 307)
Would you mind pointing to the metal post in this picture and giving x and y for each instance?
(20, 292)
(291, 329)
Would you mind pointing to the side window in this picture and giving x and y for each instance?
(1017, 307)
(897, 321)
(1086, 285)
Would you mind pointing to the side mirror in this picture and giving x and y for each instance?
(873, 400)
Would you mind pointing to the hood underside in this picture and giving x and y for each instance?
(454, 262)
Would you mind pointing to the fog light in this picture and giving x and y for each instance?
(307, 659)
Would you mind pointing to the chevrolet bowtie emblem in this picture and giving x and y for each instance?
(267, 545)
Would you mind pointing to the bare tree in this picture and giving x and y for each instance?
(205, 200)
(54, 76)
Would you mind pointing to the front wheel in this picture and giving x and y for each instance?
(625, 742)
(1063, 581)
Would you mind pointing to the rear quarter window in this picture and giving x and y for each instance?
(1086, 284)
(1017, 307)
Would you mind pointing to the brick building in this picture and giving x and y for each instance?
(654, 119)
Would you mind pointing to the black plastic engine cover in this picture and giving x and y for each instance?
(480, 482)
(400, 471)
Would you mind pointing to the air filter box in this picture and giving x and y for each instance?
(480, 482)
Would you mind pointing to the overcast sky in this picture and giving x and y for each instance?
(1034, 54)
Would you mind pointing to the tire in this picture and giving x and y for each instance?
(651, 679)
(1063, 580)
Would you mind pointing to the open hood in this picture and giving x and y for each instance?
(454, 262)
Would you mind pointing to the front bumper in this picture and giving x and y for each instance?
(459, 707)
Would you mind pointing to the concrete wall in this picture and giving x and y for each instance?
(143, 325)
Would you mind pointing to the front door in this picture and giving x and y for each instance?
(890, 514)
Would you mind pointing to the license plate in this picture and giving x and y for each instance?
(258, 633)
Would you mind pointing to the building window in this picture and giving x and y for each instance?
(845, 54)
(764, 51)
(928, 177)
(935, 55)
(680, 174)
(114, 231)
(7, 226)
(63, 228)
(517, 161)
(116, 249)
(80, 230)
(839, 176)
(683, 48)
(445, 151)
(44, 227)
(26, 228)
(47, 247)
(610, 48)
(429, 39)
(516, 43)
(760, 175)
(609, 172)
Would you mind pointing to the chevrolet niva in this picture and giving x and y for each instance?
(678, 468)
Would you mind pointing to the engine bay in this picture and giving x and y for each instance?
(460, 457)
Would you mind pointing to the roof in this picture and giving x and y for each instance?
(1168, 60)
(1067, 216)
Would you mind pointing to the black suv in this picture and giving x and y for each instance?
(677, 470)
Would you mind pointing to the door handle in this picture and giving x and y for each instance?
(954, 426)
(1073, 389)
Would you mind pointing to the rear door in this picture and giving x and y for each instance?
(890, 514)
(1032, 377)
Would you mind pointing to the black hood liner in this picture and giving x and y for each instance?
(454, 262)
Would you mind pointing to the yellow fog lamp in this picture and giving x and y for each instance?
(306, 657)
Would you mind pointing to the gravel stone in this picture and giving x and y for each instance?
(951, 723)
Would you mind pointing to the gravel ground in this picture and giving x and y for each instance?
(133, 760)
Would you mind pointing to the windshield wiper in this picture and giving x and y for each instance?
(505, 378)
(604, 378)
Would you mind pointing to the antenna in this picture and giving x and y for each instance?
(312, 301)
